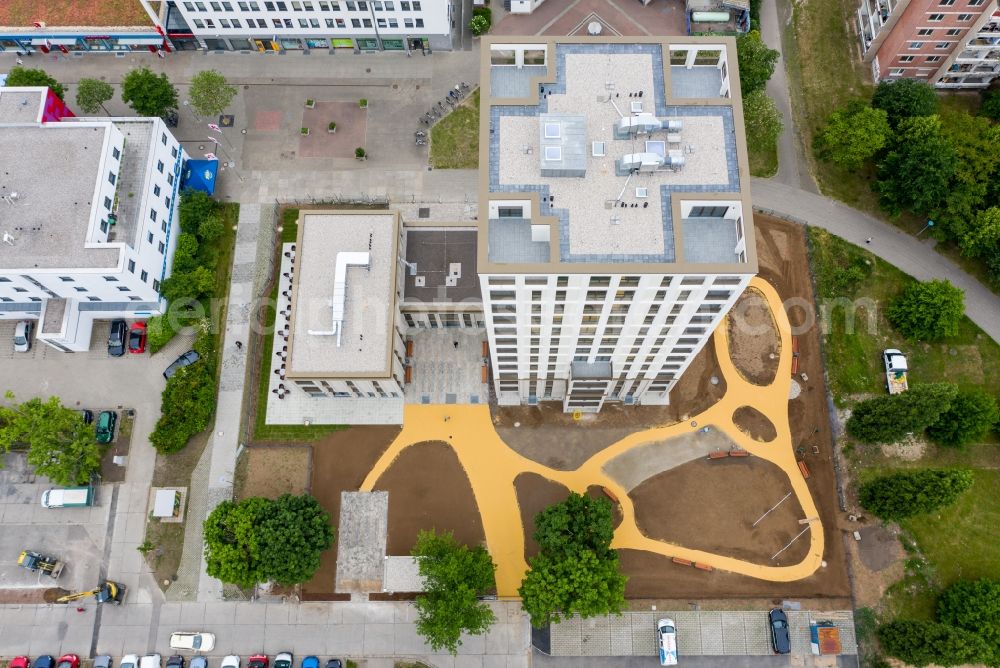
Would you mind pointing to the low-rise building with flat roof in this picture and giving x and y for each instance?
(616, 229)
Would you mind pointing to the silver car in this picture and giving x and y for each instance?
(22, 336)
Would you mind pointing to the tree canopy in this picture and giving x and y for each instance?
(91, 94)
(23, 76)
(973, 605)
(922, 643)
(756, 62)
(903, 494)
(60, 445)
(983, 237)
(258, 540)
(761, 120)
(917, 172)
(455, 576)
(905, 98)
(575, 571)
(972, 413)
(854, 134)
(210, 93)
(188, 401)
(974, 140)
(928, 310)
(147, 93)
(889, 418)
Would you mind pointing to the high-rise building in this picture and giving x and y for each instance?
(325, 25)
(88, 218)
(947, 43)
(616, 229)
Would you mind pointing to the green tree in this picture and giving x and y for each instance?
(983, 236)
(147, 93)
(928, 311)
(257, 540)
(91, 94)
(60, 446)
(972, 413)
(211, 228)
(193, 284)
(974, 141)
(194, 207)
(907, 99)
(903, 494)
(186, 253)
(210, 93)
(756, 61)
(922, 643)
(479, 24)
(889, 418)
(455, 576)
(991, 105)
(188, 401)
(917, 172)
(23, 76)
(761, 119)
(581, 583)
(973, 605)
(578, 523)
(854, 134)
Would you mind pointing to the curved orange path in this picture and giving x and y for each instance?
(492, 465)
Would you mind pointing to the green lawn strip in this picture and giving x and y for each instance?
(764, 162)
(455, 138)
(854, 363)
(280, 432)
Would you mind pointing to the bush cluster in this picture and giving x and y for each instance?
(903, 494)
(189, 399)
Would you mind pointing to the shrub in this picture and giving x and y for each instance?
(905, 98)
(889, 418)
(853, 135)
(363, 103)
(927, 311)
(359, 153)
(903, 494)
(922, 643)
(188, 400)
(195, 206)
(23, 76)
(159, 332)
(970, 416)
(973, 605)
(479, 25)
(991, 105)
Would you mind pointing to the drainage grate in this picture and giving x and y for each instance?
(425, 399)
(424, 212)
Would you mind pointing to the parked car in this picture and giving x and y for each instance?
(150, 661)
(106, 422)
(128, 661)
(283, 660)
(197, 641)
(116, 339)
(45, 661)
(230, 661)
(68, 661)
(257, 661)
(666, 636)
(310, 662)
(198, 662)
(88, 416)
(22, 336)
(187, 359)
(20, 662)
(334, 663)
(781, 642)
(175, 661)
(137, 338)
(70, 497)
(105, 661)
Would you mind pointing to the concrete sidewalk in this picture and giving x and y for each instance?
(916, 257)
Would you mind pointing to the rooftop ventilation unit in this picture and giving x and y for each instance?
(640, 124)
(345, 259)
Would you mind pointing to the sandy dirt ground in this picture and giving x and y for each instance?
(754, 344)
(428, 489)
(272, 471)
(535, 494)
(712, 504)
(340, 462)
(551, 437)
(752, 421)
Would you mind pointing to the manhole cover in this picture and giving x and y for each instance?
(424, 212)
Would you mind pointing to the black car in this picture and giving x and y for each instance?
(334, 663)
(175, 661)
(88, 416)
(187, 359)
(116, 339)
(45, 661)
(780, 640)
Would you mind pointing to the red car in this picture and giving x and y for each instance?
(68, 661)
(20, 662)
(137, 339)
(257, 661)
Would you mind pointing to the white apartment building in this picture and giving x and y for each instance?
(616, 229)
(323, 25)
(89, 217)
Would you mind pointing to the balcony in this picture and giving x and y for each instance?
(872, 16)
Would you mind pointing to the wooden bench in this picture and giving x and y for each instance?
(703, 567)
(486, 348)
(409, 348)
(737, 452)
(485, 374)
(408, 375)
(804, 469)
(718, 454)
(682, 562)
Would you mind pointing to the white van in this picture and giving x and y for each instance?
(72, 497)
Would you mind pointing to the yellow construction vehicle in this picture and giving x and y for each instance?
(106, 592)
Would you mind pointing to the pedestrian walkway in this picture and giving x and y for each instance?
(916, 257)
(699, 633)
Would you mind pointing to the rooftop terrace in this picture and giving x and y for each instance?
(65, 13)
(359, 344)
(614, 200)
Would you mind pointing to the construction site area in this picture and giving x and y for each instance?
(729, 492)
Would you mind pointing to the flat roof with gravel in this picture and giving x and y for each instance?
(54, 169)
(21, 105)
(369, 302)
(603, 213)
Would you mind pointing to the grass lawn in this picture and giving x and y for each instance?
(278, 432)
(455, 138)
(764, 163)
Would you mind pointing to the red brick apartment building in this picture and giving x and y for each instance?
(948, 43)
